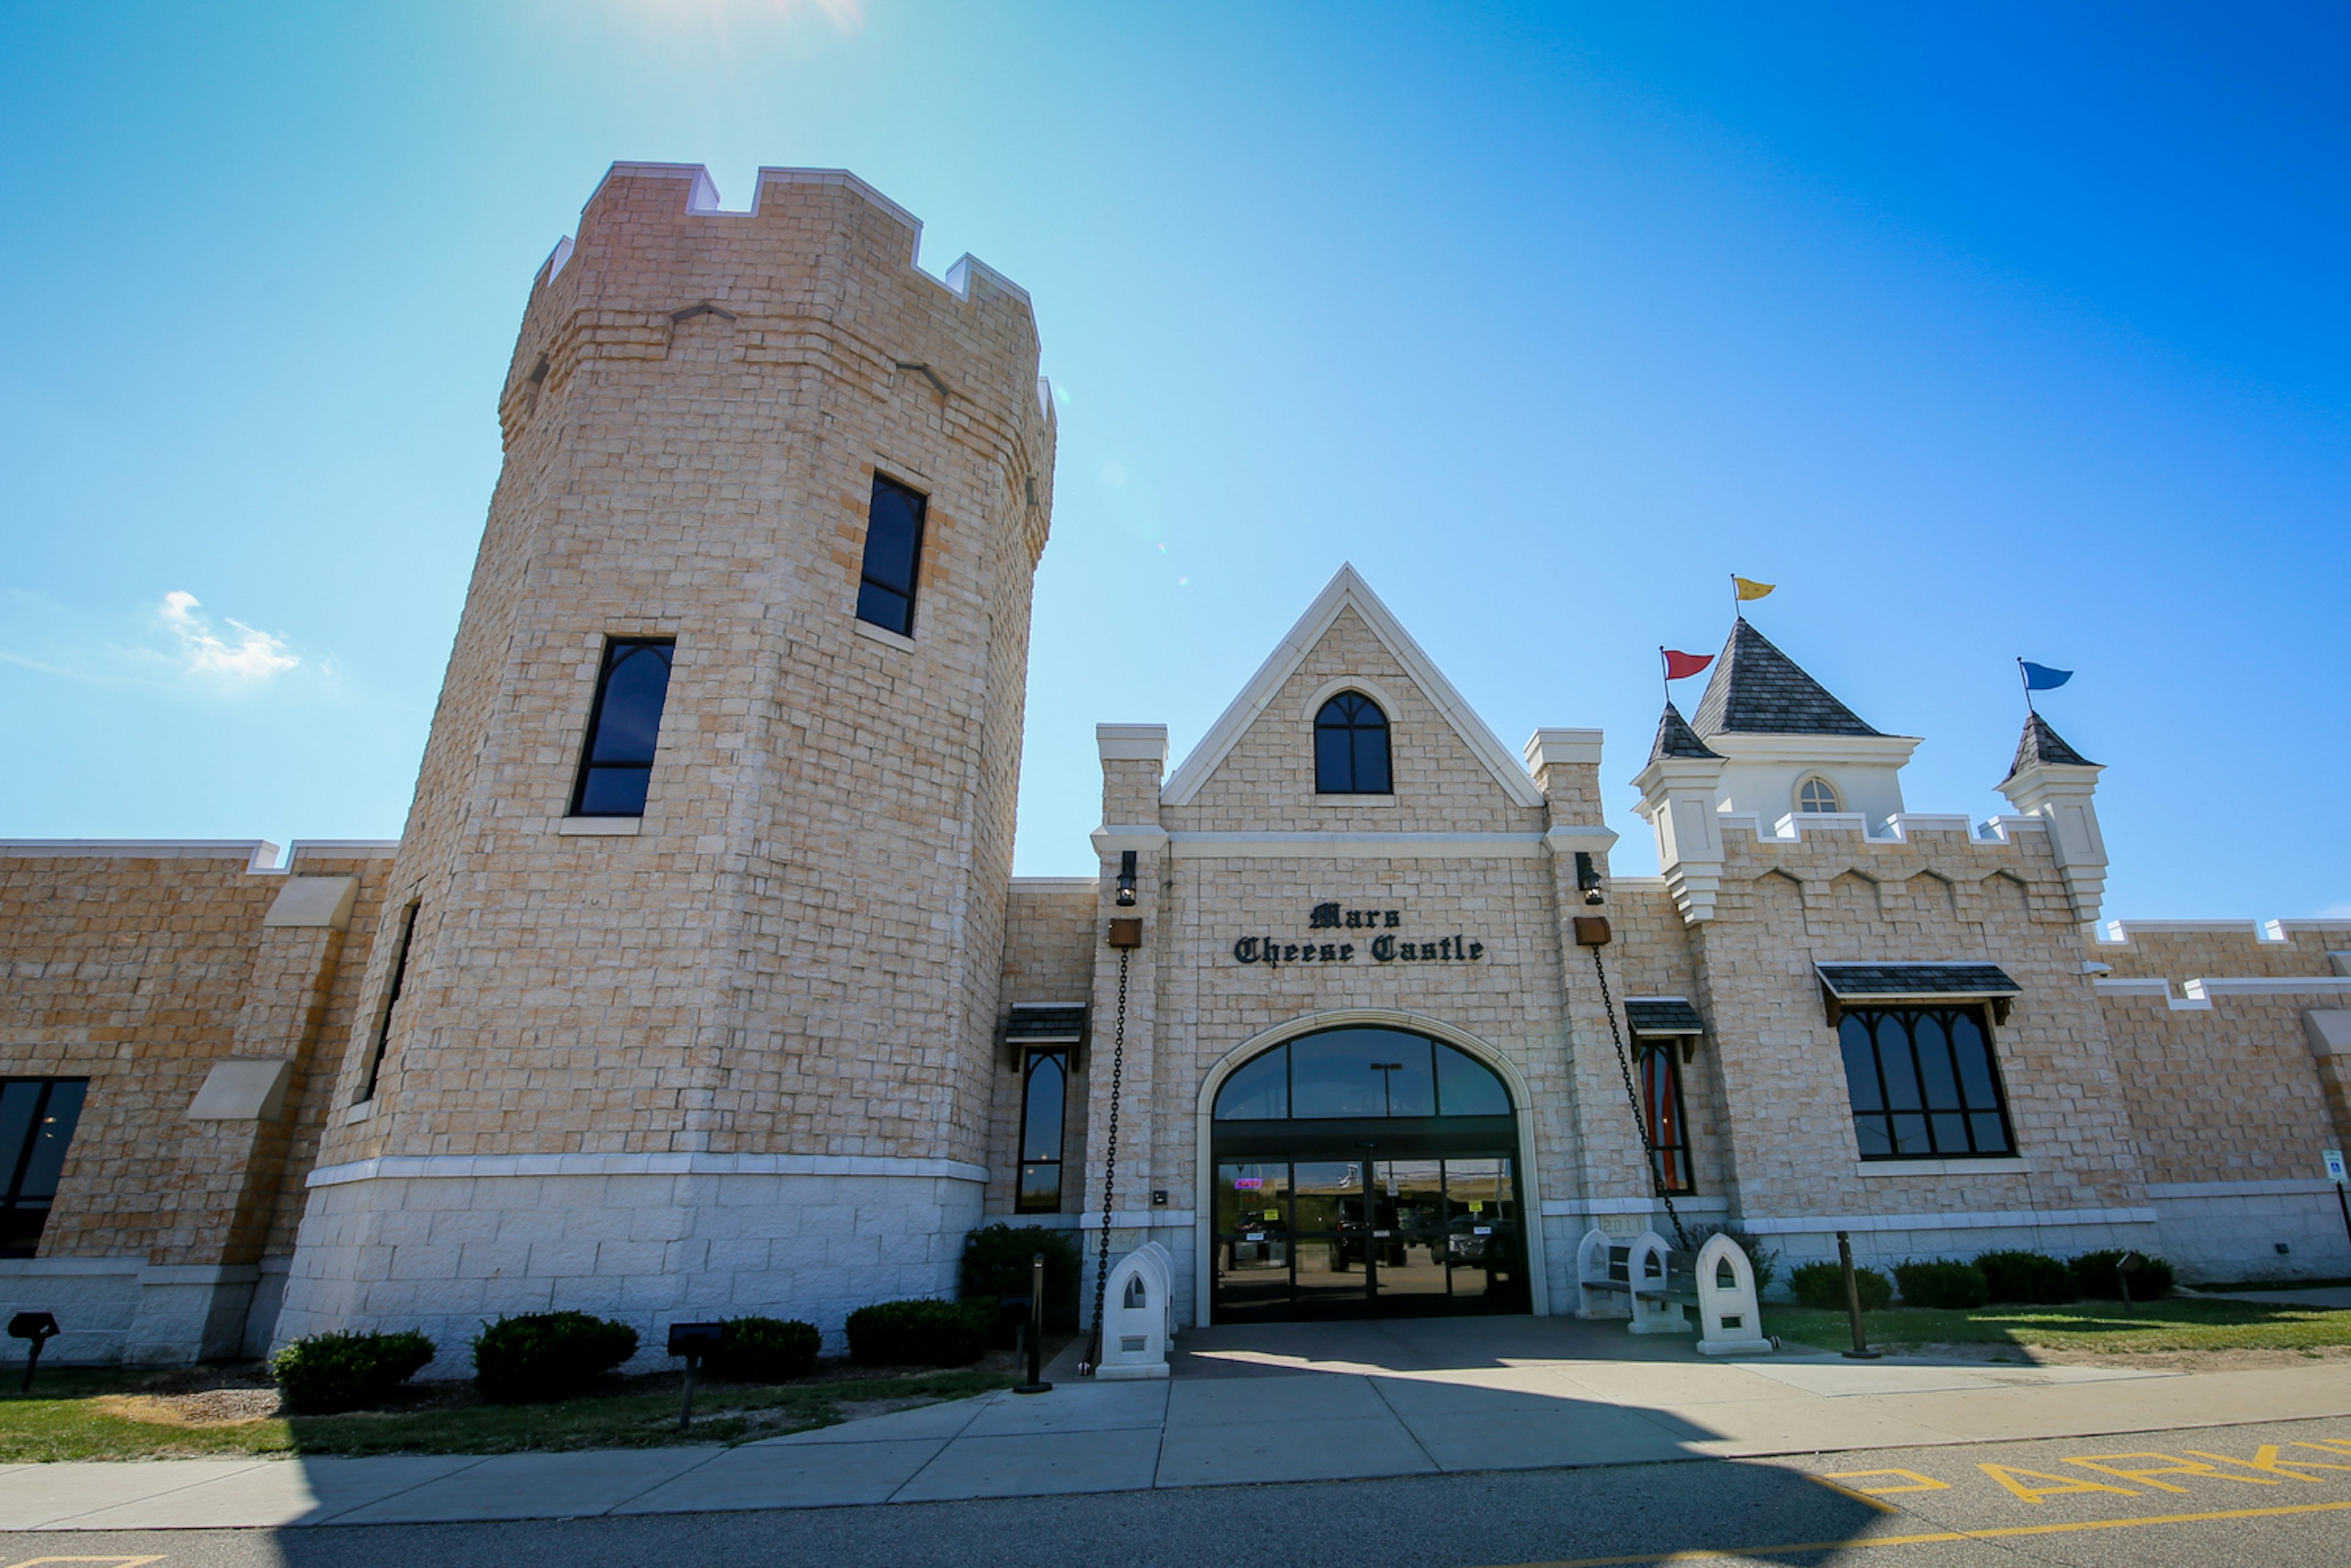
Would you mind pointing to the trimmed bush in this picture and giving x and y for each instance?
(330, 1372)
(2094, 1277)
(1822, 1285)
(995, 1265)
(925, 1333)
(539, 1357)
(2032, 1278)
(1759, 1258)
(1943, 1282)
(764, 1350)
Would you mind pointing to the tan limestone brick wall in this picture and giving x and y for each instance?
(1050, 936)
(140, 973)
(1266, 783)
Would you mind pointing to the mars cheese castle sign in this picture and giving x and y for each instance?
(1378, 941)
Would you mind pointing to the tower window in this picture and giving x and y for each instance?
(1817, 794)
(893, 554)
(1351, 747)
(1044, 1091)
(38, 1117)
(1923, 1084)
(391, 1002)
(617, 765)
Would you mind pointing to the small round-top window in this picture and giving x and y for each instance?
(1817, 794)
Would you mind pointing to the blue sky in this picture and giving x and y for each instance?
(1983, 332)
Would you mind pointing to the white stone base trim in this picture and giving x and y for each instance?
(393, 1247)
(455, 1167)
(1995, 1219)
(116, 1311)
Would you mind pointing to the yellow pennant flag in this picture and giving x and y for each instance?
(1749, 589)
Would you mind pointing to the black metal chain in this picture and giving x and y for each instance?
(1110, 1166)
(1632, 1096)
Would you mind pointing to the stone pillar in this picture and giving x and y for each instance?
(1678, 796)
(197, 1291)
(2060, 793)
(1134, 762)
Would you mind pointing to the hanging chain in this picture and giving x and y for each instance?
(1110, 1166)
(1640, 1122)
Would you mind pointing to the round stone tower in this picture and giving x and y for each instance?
(712, 1036)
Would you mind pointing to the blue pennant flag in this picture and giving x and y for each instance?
(2042, 678)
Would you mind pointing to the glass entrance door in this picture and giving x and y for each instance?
(1318, 1238)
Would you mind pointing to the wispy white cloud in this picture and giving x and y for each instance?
(2335, 912)
(253, 655)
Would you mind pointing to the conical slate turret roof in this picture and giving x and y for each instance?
(1757, 689)
(2041, 744)
(1677, 738)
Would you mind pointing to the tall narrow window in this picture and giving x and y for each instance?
(1044, 1093)
(38, 1117)
(1351, 747)
(1661, 1103)
(391, 1001)
(893, 555)
(616, 766)
(1923, 1084)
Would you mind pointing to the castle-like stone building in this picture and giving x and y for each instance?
(698, 983)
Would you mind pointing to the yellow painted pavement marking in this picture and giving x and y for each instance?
(2265, 1459)
(2145, 1474)
(1869, 1495)
(2010, 1477)
(111, 1561)
(1998, 1532)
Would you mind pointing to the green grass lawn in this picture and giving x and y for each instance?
(81, 1414)
(2177, 1324)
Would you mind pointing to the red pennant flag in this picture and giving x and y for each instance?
(1679, 665)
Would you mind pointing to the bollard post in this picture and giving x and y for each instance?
(2125, 1266)
(685, 1410)
(1860, 1351)
(692, 1342)
(1036, 1384)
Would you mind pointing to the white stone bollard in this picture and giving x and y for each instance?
(1645, 1266)
(1138, 1315)
(1729, 1320)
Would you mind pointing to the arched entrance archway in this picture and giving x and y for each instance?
(1365, 1169)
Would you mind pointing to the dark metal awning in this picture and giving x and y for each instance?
(1046, 1023)
(1663, 1015)
(1850, 985)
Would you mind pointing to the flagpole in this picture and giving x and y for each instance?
(2027, 681)
(1666, 675)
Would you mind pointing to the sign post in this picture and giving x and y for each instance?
(2334, 1172)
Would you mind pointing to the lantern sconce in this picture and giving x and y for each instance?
(1587, 878)
(1126, 878)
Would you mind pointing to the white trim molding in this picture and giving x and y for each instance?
(1979, 1220)
(413, 1167)
(1196, 846)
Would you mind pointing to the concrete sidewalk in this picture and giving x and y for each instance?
(1284, 1403)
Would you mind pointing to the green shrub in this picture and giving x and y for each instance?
(995, 1265)
(1822, 1285)
(544, 1356)
(2033, 1277)
(1759, 1258)
(1943, 1282)
(2093, 1275)
(330, 1372)
(924, 1332)
(764, 1350)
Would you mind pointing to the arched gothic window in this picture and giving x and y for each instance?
(1351, 747)
(1817, 794)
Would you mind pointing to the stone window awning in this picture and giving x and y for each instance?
(1662, 1015)
(1852, 985)
(1045, 1023)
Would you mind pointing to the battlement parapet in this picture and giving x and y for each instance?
(1902, 828)
(261, 857)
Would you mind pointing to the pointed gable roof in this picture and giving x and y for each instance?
(1346, 591)
(1756, 689)
(2042, 745)
(1677, 738)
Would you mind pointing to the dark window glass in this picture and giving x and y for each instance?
(623, 726)
(1351, 747)
(1661, 1102)
(38, 1118)
(893, 554)
(391, 1001)
(1923, 1083)
(1044, 1093)
(1361, 1073)
(1468, 1087)
(1259, 1089)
